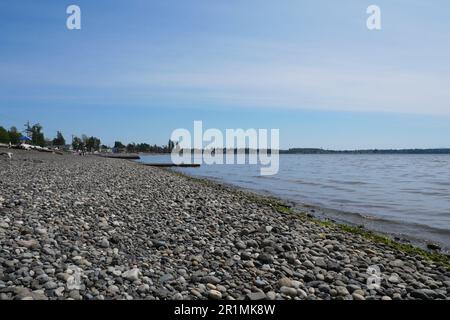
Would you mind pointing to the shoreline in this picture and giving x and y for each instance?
(335, 216)
(322, 216)
(137, 232)
(427, 237)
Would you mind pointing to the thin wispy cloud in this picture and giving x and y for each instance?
(342, 87)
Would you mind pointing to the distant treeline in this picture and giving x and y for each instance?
(34, 135)
(85, 143)
(324, 151)
(368, 151)
(143, 147)
(33, 132)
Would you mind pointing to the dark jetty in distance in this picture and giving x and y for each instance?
(128, 156)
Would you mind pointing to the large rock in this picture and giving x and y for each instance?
(288, 291)
(255, 296)
(29, 244)
(265, 258)
(424, 294)
(132, 274)
(215, 295)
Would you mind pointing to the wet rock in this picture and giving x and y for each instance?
(433, 246)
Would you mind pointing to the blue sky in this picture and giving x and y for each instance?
(139, 69)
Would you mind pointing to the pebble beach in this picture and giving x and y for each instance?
(92, 228)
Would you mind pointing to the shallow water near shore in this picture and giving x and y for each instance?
(405, 195)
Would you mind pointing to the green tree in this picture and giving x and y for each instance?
(170, 145)
(14, 135)
(131, 148)
(4, 136)
(84, 138)
(59, 140)
(97, 144)
(37, 137)
(28, 131)
(93, 144)
(119, 145)
(77, 144)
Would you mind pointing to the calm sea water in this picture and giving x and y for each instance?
(406, 195)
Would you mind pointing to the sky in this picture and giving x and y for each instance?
(139, 69)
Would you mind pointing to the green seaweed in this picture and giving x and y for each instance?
(409, 249)
(403, 247)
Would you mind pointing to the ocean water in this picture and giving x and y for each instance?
(404, 195)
